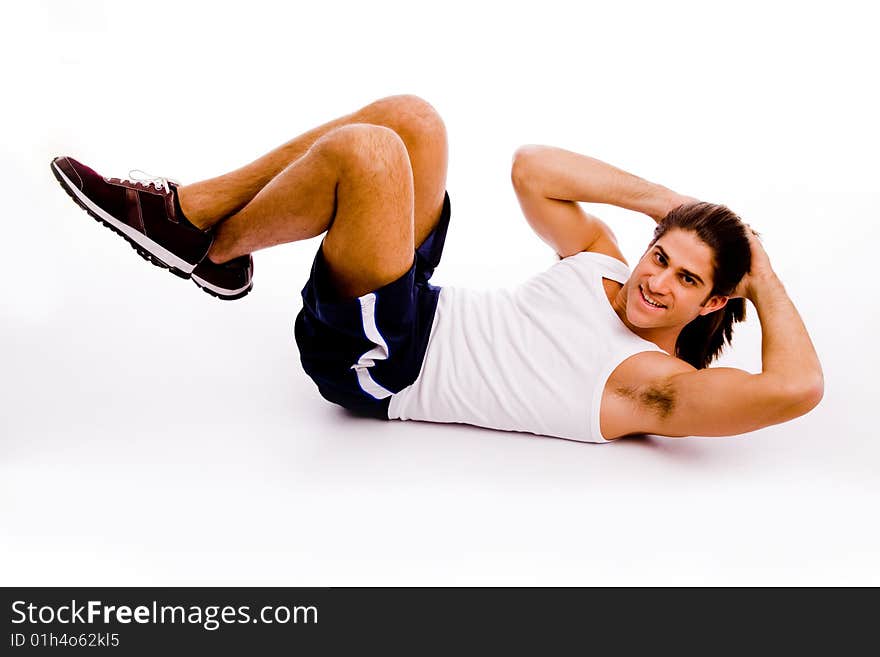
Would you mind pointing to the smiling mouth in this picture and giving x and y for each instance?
(648, 303)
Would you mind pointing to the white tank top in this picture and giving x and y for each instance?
(535, 358)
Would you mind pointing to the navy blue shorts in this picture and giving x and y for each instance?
(361, 351)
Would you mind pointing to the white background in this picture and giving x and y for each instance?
(153, 435)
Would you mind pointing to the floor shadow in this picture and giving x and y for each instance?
(680, 449)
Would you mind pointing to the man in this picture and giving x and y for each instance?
(586, 350)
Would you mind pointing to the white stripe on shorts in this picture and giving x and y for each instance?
(378, 352)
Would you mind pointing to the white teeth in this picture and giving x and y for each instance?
(647, 300)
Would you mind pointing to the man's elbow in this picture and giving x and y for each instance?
(815, 393)
(806, 397)
(524, 167)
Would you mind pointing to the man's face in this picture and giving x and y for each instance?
(676, 272)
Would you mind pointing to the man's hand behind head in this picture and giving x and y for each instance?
(760, 271)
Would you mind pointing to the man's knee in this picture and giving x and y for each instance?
(366, 149)
(412, 117)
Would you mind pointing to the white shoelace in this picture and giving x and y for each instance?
(159, 182)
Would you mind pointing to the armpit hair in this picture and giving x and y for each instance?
(658, 398)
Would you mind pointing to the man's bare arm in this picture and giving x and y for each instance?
(567, 176)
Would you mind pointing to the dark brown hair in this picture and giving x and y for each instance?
(702, 340)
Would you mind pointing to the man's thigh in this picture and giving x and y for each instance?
(370, 242)
(423, 132)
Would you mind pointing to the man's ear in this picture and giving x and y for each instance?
(716, 302)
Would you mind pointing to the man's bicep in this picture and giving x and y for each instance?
(716, 401)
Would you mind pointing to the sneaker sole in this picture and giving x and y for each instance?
(219, 292)
(146, 248)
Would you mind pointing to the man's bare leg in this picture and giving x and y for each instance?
(332, 178)
(356, 183)
(219, 199)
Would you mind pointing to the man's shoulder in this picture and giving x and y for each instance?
(640, 390)
(651, 368)
(606, 245)
(643, 379)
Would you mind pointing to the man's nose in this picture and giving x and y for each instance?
(660, 282)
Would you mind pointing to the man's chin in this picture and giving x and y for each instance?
(647, 322)
(639, 321)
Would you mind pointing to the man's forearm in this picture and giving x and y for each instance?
(787, 353)
(569, 176)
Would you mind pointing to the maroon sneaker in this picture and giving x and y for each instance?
(144, 211)
(230, 280)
